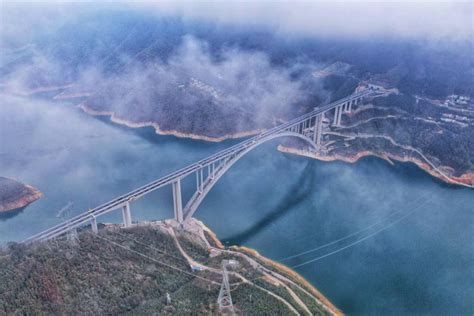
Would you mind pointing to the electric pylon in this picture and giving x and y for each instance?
(224, 299)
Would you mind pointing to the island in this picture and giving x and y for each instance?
(15, 195)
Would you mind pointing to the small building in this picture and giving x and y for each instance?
(196, 268)
(457, 100)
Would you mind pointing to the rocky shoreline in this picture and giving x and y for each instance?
(466, 179)
(278, 266)
(15, 195)
(118, 120)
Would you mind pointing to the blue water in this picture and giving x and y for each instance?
(418, 260)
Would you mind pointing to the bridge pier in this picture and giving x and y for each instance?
(317, 130)
(127, 215)
(340, 116)
(199, 180)
(177, 201)
(95, 228)
(212, 170)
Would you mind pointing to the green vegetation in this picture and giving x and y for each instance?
(92, 277)
(309, 302)
(252, 301)
(128, 271)
(421, 125)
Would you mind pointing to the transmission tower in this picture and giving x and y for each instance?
(224, 299)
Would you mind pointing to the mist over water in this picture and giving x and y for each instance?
(279, 204)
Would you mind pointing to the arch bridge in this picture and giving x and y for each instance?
(308, 127)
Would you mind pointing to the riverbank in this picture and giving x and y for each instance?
(464, 180)
(118, 120)
(273, 265)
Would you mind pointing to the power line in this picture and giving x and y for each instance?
(347, 236)
(357, 241)
(150, 247)
(155, 260)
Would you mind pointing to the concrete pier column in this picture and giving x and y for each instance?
(177, 201)
(318, 128)
(197, 181)
(95, 228)
(350, 106)
(315, 129)
(339, 116)
(336, 115)
(202, 179)
(127, 216)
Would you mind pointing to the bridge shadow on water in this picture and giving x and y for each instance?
(297, 194)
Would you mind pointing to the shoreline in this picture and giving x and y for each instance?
(276, 265)
(466, 179)
(281, 267)
(118, 120)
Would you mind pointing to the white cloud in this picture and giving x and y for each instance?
(338, 18)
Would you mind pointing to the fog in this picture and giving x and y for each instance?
(193, 83)
(435, 20)
(409, 19)
(241, 84)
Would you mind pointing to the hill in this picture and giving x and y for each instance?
(133, 270)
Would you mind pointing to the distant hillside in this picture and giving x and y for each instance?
(131, 271)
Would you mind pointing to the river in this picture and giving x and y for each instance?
(400, 241)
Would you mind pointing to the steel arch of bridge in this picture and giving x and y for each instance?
(198, 196)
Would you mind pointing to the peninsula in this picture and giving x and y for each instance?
(15, 195)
